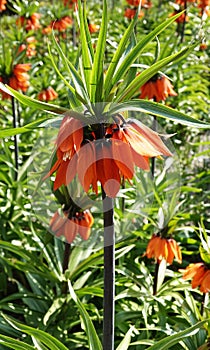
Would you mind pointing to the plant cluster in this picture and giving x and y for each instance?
(104, 101)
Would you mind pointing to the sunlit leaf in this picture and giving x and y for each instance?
(159, 110)
(93, 340)
(167, 342)
(45, 338)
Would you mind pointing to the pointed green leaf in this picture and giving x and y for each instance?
(117, 56)
(79, 90)
(31, 102)
(166, 343)
(23, 129)
(159, 110)
(132, 56)
(124, 345)
(93, 340)
(97, 75)
(14, 343)
(148, 73)
(45, 338)
(85, 40)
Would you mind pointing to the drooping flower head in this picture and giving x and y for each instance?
(29, 23)
(81, 151)
(29, 46)
(200, 275)
(131, 12)
(18, 79)
(48, 94)
(161, 248)
(70, 224)
(157, 88)
(3, 5)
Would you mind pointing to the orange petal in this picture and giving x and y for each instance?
(198, 278)
(71, 169)
(70, 230)
(107, 169)
(56, 222)
(86, 166)
(123, 158)
(68, 126)
(191, 270)
(205, 284)
(150, 136)
(61, 176)
(140, 161)
(150, 247)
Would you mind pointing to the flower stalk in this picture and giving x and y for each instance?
(109, 273)
(15, 124)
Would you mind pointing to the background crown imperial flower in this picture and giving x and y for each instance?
(163, 248)
(200, 275)
(69, 225)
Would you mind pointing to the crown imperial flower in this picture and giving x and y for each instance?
(69, 225)
(163, 248)
(80, 151)
(200, 275)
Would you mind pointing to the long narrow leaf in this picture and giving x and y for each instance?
(117, 56)
(166, 343)
(23, 129)
(148, 73)
(31, 102)
(79, 89)
(98, 70)
(45, 338)
(14, 343)
(93, 340)
(132, 56)
(124, 345)
(158, 110)
(85, 42)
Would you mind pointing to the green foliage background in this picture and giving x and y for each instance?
(37, 300)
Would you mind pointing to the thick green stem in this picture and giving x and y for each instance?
(109, 273)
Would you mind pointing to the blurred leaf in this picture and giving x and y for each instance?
(43, 337)
(93, 340)
(31, 102)
(124, 345)
(166, 343)
(159, 110)
(14, 343)
(148, 73)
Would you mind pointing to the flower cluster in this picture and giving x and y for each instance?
(3, 5)
(131, 11)
(200, 275)
(48, 94)
(83, 151)
(60, 25)
(163, 248)
(69, 3)
(157, 88)
(30, 23)
(29, 46)
(70, 225)
(18, 80)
